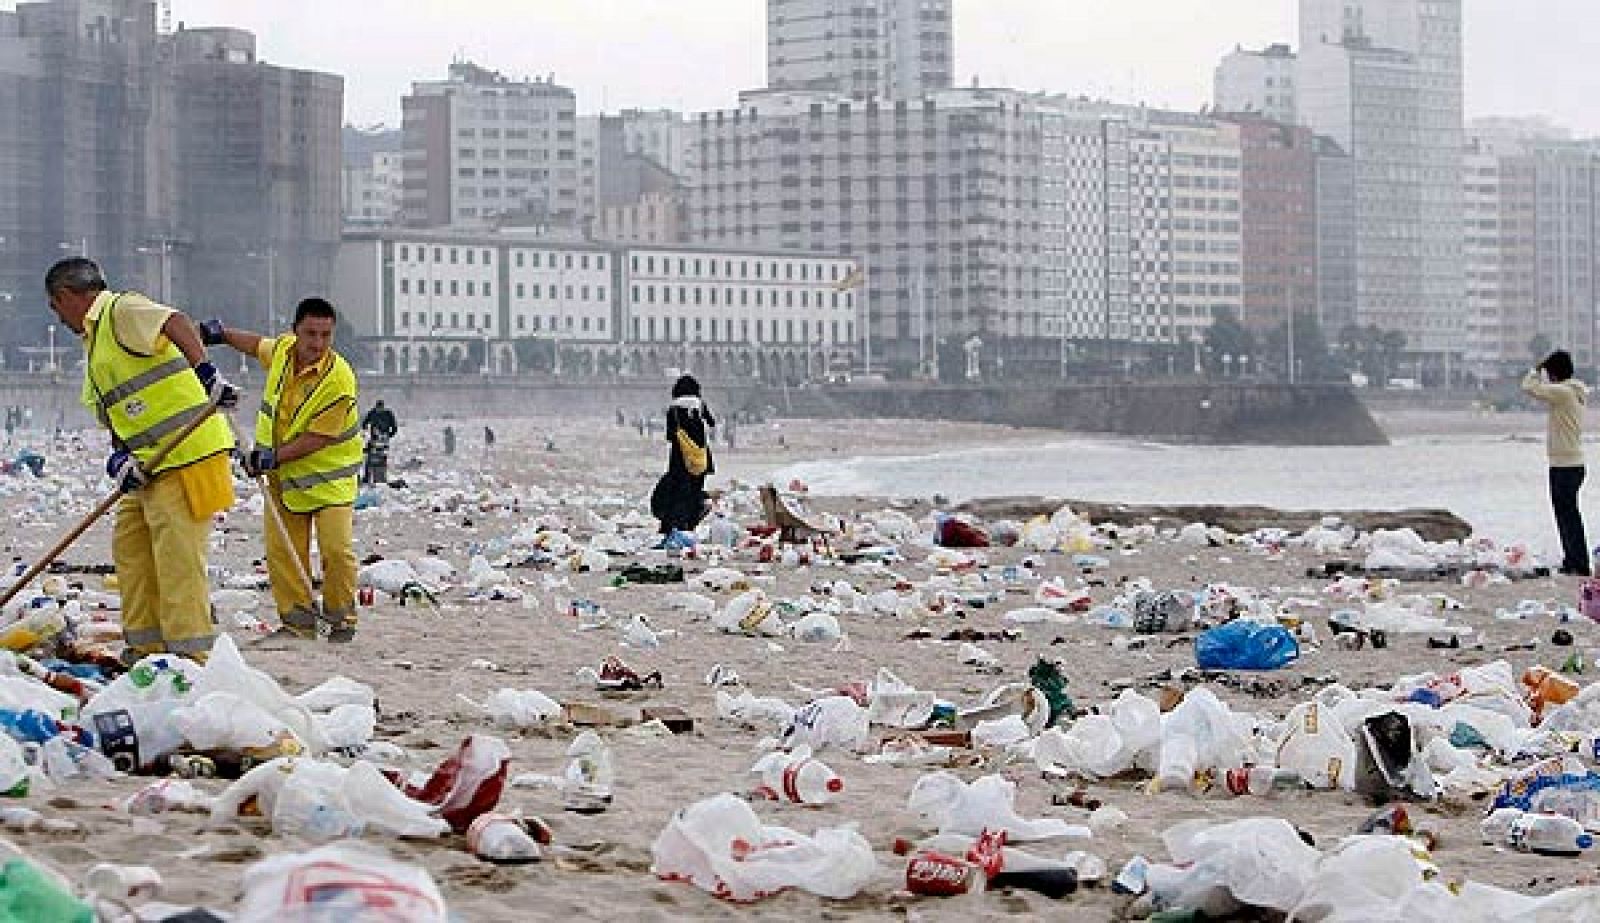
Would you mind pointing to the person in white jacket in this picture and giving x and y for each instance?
(1551, 382)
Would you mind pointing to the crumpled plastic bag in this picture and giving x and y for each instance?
(341, 881)
(226, 671)
(1315, 744)
(944, 803)
(325, 801)
(389, 575)
(1104, 745)
(1201, 733)
(894, 702)
(224, 721)
(1245, 645)
(520, 708)
(831, 721)
(1260, 860)
(752, 711)
(720, 846)
(749, 613)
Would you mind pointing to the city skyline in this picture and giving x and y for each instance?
(696, 55)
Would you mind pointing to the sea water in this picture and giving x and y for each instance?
(1497, 484)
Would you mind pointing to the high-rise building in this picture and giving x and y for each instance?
(373, 180)
(1278, 176)
(183, 165)
(481, 148)
(1336, 238)
(1567, 205)
(257, 179)
(891, 49)
(1383, 79)
(1258, 83)
(622, 156)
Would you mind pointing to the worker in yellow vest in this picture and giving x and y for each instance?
(147, 376)
(308, 444)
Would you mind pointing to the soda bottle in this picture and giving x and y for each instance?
(1548, 835)
(797, 778)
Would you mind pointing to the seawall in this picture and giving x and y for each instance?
(1241, 414)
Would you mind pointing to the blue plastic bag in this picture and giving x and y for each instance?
(1243, 645)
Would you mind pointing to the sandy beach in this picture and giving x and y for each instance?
(422, 665)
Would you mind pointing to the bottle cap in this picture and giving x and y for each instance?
(1585, 841)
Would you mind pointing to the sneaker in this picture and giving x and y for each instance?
(341, 636)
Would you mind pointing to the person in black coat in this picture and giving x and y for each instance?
(679, 499)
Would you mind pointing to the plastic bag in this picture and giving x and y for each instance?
(944, 803)
(894, 702)
(816, 628)
(1199, 734)
(749, 613)
(349, 882)
(521, 708)
(1261, 860)
(833, 720)
(1245, 645)
(226, 671)
(1314, 744)
(1104, 745)
(468, 783)
(720, 846)
(348, 727)
(336, 691)
(224, 721)
(325, 801)
(752, 711)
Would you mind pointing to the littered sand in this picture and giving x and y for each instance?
(420, 664)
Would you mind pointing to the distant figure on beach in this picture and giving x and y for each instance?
(1552, 383)
(679, 499)
(449, 440)
(488, 444)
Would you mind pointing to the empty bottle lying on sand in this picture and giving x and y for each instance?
(1545, 834)
(797, 778)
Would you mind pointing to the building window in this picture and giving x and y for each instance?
(469, 257)
(405, 286)
(583, 263)
(522, 322)
(600, 293)
(453, 255)
(405, 318)
(470, 285)
(486, 292)
(402, 253)
(534, 259)
(455, 287)
(455, 320)
(519, 260)
(472, 321)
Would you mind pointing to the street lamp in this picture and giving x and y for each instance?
(271, 259)
(166, 277)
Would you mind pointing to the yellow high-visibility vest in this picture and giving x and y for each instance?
(326, 477)
(145, 400)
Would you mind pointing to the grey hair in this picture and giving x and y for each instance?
(75, 274)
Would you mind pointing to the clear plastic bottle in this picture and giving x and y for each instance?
(799, 779)
(1544, 834)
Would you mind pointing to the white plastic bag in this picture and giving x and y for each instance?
(944, 803)
(1199, 734)
(816, 628)
(223, 721)
(720, 846)
(1315, 744)
(341, 881)
(226, 671)
(521, 708)
(1104, 745)
(348, 727)
(749, 613)
(322, 800)
(894, 702)
(336, 691)
(1260, 860)
(762, 713)
(831, 721)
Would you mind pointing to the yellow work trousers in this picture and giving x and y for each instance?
(160, 551)
(335, 528)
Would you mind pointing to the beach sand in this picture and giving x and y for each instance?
(420, 663)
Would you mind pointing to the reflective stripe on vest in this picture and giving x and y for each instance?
(145, 400)
(326, 477)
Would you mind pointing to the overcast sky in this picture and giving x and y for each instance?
(696, 54)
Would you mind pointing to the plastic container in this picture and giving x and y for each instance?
(797, 778)
(1548, 835)
(1545, 687)
(33, 629)
(1244, 645)
(1263, 780)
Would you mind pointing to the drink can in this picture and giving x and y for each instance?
(364, 596)
(939, 875)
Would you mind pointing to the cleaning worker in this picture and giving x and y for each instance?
(308, 445)
(147, 376)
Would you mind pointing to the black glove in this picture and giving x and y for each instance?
(123, 468)
(212, 333)
(260, 460)
(225, 396)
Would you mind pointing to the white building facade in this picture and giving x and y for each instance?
(480, 147)
(373, 190)
(889, 49)
(444, 301)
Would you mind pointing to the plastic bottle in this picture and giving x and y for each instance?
(502, 839)
(590, 775)
(797, 778)
(1263, 780)
(1546, 834)
(33, 629)
(28, 725)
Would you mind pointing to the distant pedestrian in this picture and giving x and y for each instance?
(488, 445)
(449, 440)
(679, 498)
(1552, 383)
(622, 418)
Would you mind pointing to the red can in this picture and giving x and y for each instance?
(939, 875)
(364, 596)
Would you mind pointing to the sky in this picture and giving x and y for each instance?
(696, 55)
